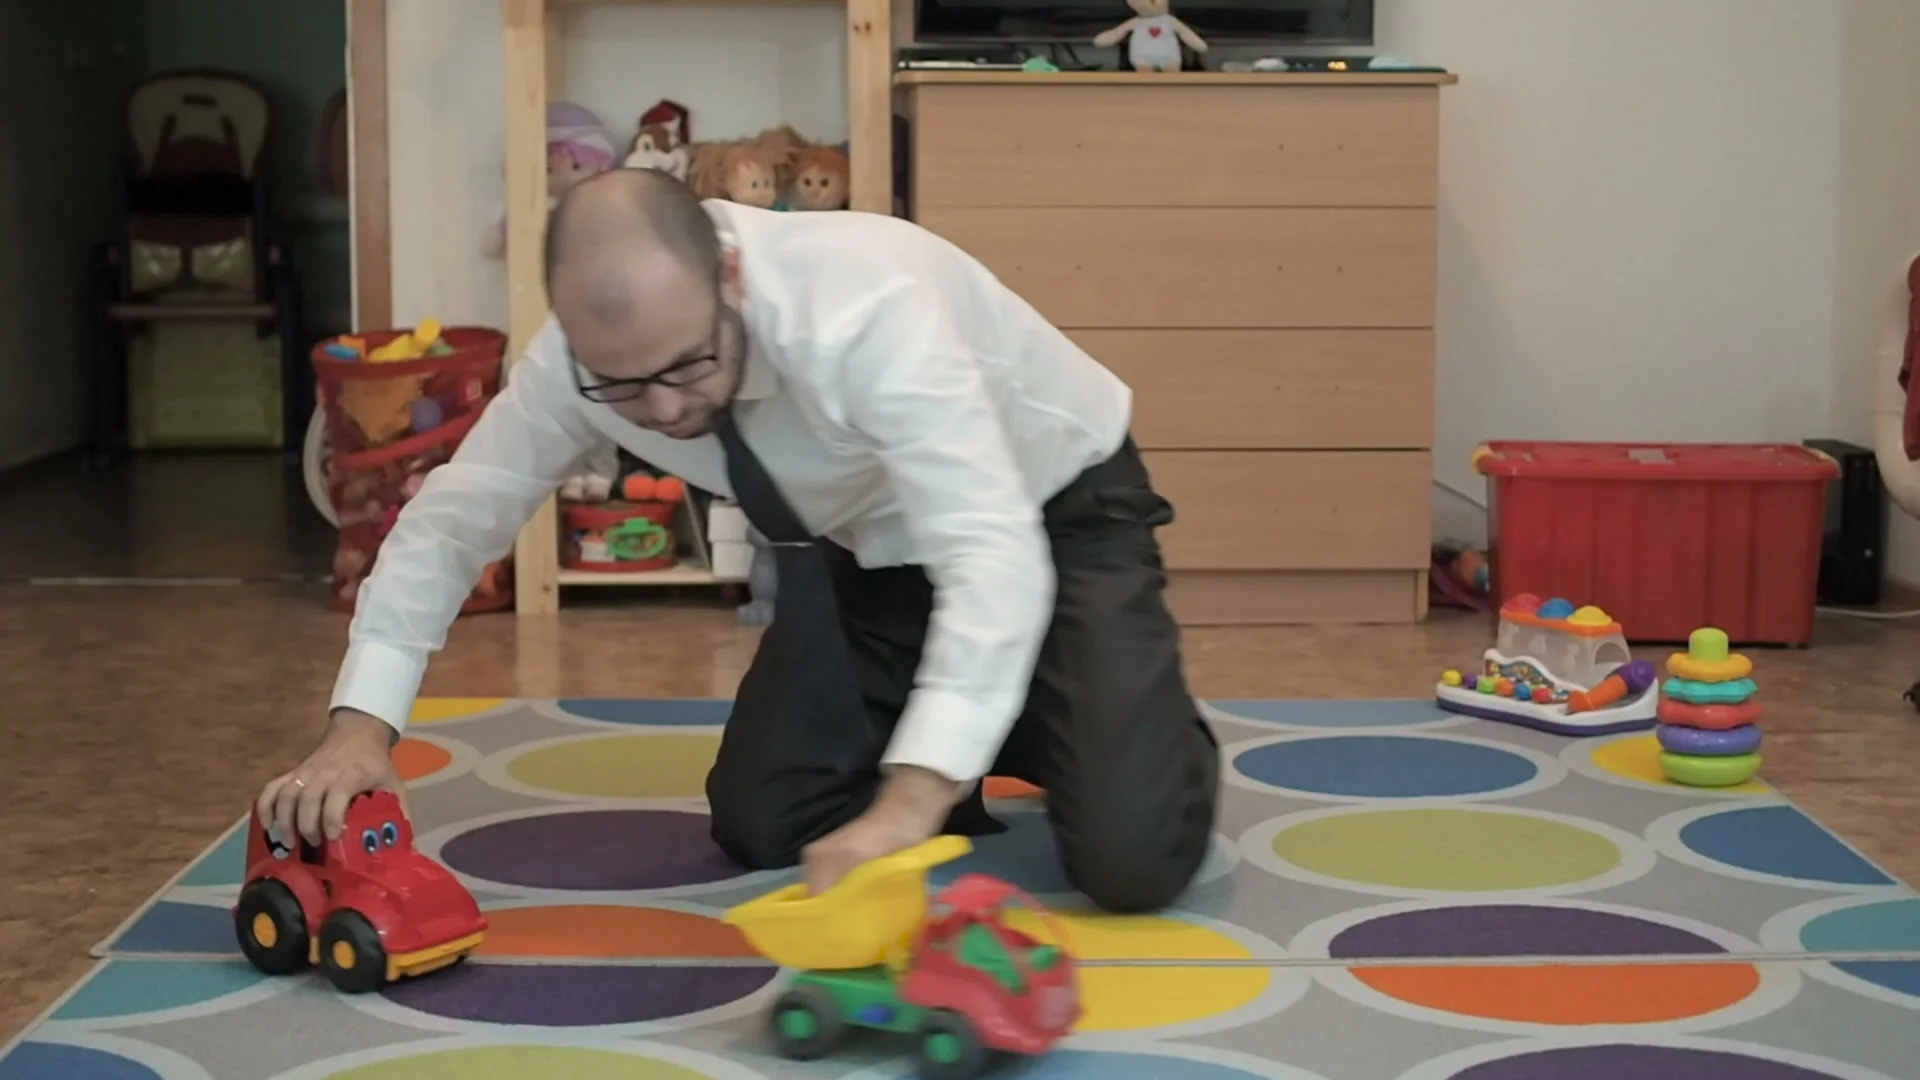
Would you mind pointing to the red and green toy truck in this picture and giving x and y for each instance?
(365, 906)
(961, 979)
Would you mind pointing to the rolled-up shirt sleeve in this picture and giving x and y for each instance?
(914, 391)
(467, 514)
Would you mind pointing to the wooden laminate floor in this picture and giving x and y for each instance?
(136, 722)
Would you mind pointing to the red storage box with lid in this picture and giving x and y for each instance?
(1665, 538)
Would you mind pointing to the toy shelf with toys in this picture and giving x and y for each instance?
(712, 547)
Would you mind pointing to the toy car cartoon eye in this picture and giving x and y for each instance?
(371, 841)
(389, 834)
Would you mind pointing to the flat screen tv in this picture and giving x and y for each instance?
(1267, 22)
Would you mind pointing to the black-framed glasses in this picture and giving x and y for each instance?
(684, 373)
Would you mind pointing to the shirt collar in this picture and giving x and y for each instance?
(758, 379)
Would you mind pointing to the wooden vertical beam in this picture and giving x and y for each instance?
(536, 561)
(371, 198)
(870, 104)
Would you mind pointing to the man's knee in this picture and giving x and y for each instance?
(1132, 856)
(1129, 878)
(749, 826)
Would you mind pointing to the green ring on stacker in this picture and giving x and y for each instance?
(1712, 772)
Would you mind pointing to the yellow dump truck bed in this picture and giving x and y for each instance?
(867, 919)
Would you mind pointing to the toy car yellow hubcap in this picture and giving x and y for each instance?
(343, 956)
(264, 932)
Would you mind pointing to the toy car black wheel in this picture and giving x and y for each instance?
(806, 1023)
(352, 954)
(271, 927)
(948, 1047)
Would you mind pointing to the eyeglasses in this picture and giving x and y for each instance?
(681, 373)
(606, 391)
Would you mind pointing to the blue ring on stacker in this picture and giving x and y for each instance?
(1698, 742)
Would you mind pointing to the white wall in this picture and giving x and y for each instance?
(1879, 231)
(738, 68)
(1660, 220)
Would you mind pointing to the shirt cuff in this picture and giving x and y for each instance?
(379, 680)
(946, 733)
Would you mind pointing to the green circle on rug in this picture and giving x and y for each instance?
(649, 766)
(574, 1063)
(1447, 850)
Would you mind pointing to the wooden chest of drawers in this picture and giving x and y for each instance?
(1255, 255)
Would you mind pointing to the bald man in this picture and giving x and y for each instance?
(969, 578)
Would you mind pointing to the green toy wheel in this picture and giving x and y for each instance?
(949, 1048)
(806, 1023)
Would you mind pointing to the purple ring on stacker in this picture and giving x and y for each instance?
(1699, 742)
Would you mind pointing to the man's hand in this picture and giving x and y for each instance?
(355, 756)
(910, 808)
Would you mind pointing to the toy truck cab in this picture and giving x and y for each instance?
(366, 906)
(987, 986)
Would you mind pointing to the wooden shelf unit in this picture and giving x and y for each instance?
(531, 52)
(1256, 255)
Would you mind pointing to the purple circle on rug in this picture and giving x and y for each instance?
(1700, 742)
(593, 850)
(1611, 1062)
(569, 996)
(1513, 930)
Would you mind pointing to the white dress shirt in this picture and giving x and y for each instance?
(912, 408)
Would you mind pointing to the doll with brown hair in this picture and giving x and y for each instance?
(821, 179)
(754, 172)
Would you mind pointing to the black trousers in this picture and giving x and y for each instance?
(1109, 729)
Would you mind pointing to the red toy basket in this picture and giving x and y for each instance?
(619, 537)
(388, 425)
(1665, 538)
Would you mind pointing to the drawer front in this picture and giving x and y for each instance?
(1274, 389)
(1295, 510)
(1176, 146)
(1092, 267)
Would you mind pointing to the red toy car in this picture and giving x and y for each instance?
(366, 906)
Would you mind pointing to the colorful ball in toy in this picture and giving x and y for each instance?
(426, 415)
(1451, 678)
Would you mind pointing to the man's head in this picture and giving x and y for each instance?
(648, 299)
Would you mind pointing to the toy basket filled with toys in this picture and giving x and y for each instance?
(396, 405)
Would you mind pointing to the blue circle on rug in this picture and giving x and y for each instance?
(223, 864)
(1026, 855)
(1385, 766)
(1899, 976)
(48, 1061)
(130, 987)
(1781, 841)
(1335, 714)
(171, 927)
(650, 712)
(1612, 1060)
(593, 851)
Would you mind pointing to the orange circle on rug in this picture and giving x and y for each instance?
(1006, 787)
(609, 931)
(415, 759)
(1569, 994)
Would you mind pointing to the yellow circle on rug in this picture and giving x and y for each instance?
(437, 710)
(1638, 759)
(643, 766)
(574, 1063)
(1132, 999)
(1447, 850)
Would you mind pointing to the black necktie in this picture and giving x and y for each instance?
(759, 497)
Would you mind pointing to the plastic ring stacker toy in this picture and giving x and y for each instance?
(1708, 717)
(1700, 742)
(1710, 771)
